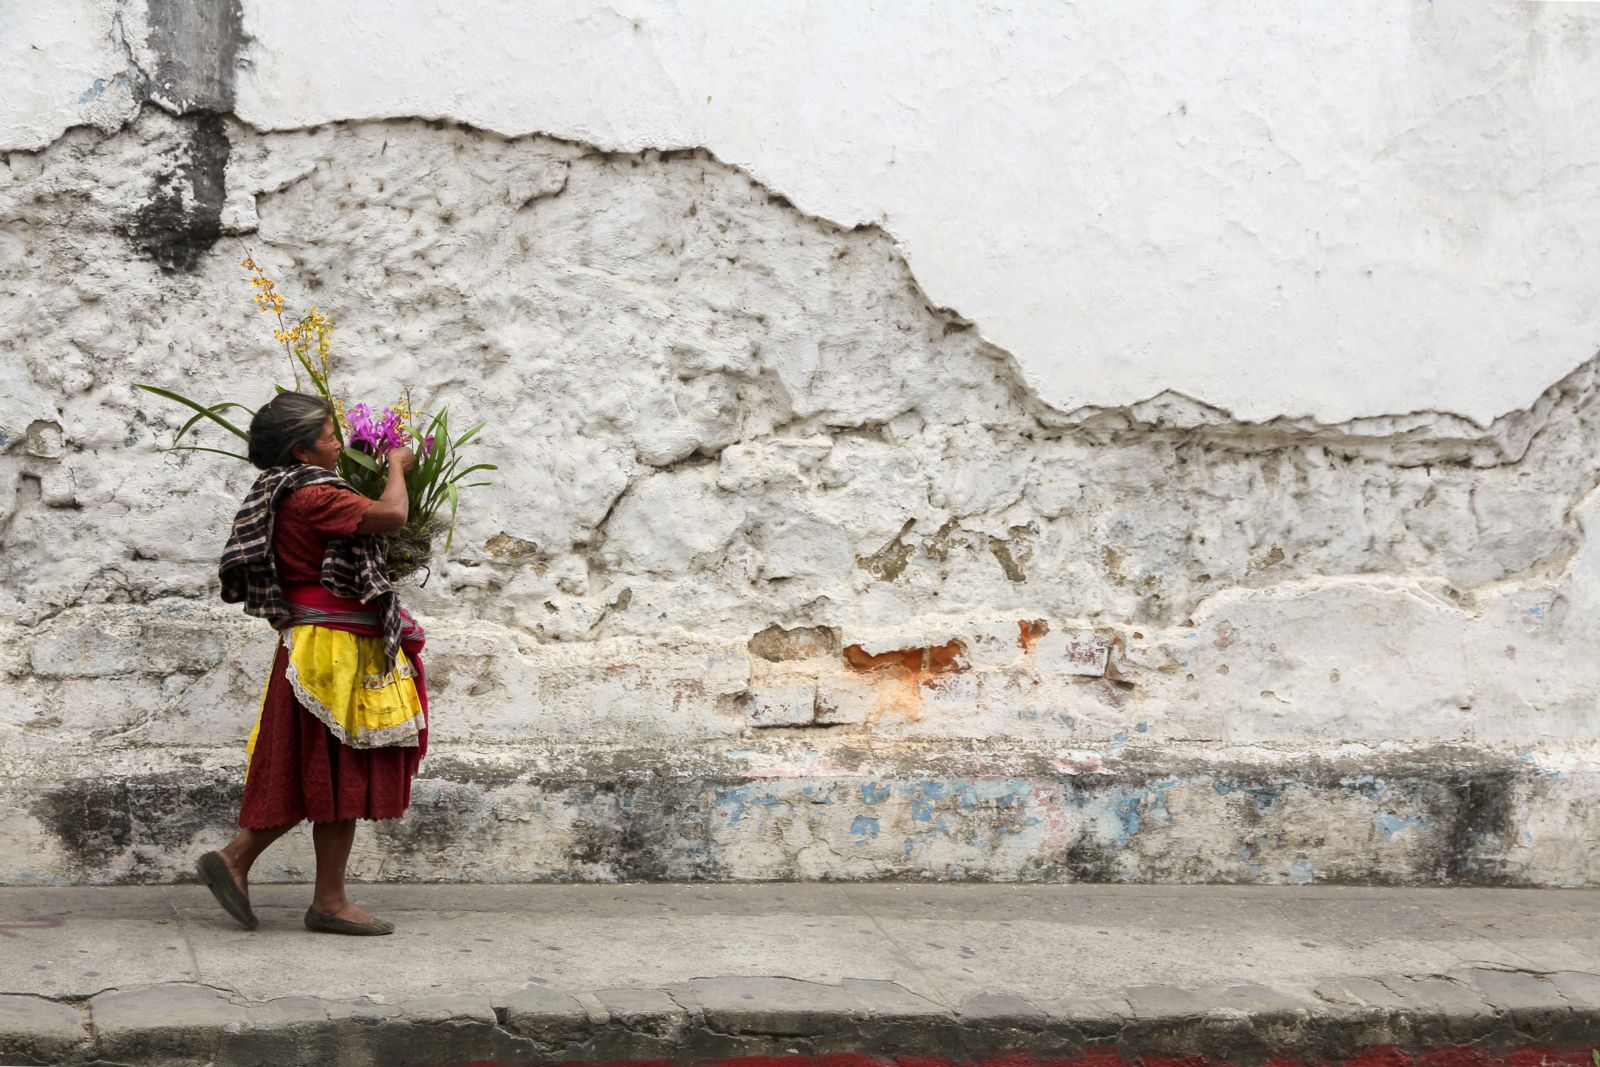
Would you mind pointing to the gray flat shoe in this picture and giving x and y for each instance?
(214, 874)
(328, 924)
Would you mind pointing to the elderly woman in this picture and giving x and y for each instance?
(343, 721)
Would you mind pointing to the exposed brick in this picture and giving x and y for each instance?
(1074, 652)
(845, 698)
(916, 663)
(776, 644)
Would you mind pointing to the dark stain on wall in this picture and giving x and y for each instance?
(1477, 812)
(182, 219)
(196, 44)
(446, 819)
(643, 830)
(636, 824)
(99, 822)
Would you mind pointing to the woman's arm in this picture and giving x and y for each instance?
(388, 513)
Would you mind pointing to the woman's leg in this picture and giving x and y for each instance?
(333, 841)
(241, 853)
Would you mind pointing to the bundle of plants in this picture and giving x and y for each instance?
(435, 482)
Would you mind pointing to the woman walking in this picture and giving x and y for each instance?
(343, 722)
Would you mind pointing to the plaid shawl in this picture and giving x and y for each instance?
(354, 568)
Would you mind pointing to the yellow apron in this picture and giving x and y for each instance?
(340, 678)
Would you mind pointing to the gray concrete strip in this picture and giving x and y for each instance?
(1530, 1002)
(1093, 1018)
(34, 1030)
(1518, 991)
(542, 1014)
(768, 1005)
(173, 1019)
(1359, 992)
(1160, 1002)
(509, 973)
(1581, 990)
(1001, 1011)
(1253, 1000)
(644, 1010)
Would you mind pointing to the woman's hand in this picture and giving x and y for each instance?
(388, 513)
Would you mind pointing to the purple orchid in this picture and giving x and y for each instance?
(377, 437)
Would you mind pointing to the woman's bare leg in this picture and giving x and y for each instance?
(241, 853)
(333, 841)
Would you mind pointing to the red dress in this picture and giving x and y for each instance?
(298, 769)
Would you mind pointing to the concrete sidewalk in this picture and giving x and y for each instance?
(550, 973)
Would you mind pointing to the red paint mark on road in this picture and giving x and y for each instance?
(8, 927)
(1384, 1056)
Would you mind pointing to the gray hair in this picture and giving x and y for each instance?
(283, 423)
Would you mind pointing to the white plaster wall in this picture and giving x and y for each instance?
(1282, 209)
(718, 417)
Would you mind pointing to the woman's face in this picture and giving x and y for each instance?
(324, 453)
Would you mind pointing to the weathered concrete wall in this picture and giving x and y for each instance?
(1127, 197)
(790, 572)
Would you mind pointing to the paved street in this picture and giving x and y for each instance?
(519, 973)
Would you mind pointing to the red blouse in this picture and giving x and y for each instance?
(307, 520)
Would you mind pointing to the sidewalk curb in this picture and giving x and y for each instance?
(182, 1023)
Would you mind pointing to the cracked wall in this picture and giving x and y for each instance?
(789, 572)
(1396, 196)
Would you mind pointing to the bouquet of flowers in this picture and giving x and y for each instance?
(365, 439)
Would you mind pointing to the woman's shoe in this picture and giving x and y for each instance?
(214, 873)
(328, 924)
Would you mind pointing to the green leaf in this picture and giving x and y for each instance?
(362, 459)
(455, 498)
(475, 467)
(199, 448)
(201, 408)
(469, 435)
(224, 406)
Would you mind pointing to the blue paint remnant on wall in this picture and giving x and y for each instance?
(1124, 812)
(1143, 728)
(874, 792)
(1129, 812)
(980, 813)
(1389, 824)
(95, 91)
(1300, 872)
(1266, 797)
(740, 799)
(864, 826)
